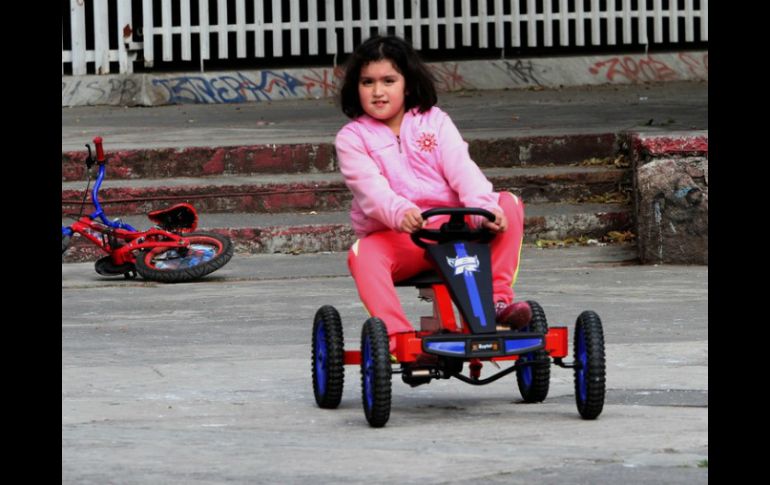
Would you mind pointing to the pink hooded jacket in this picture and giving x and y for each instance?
(427, 166)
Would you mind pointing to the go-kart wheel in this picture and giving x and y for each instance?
(376, 372)
(328, 357)
(590, 365)
(534, 380)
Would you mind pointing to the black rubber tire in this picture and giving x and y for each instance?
(65, 243)
(146, 260)
(590, 387)
(328, 357)
(105, 267)
(376, 372)
(534, 380)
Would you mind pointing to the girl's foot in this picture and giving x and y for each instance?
(517, 314)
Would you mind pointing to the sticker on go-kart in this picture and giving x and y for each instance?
(465, 264)
(487, 346)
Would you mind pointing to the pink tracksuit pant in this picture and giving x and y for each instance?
(382, 257)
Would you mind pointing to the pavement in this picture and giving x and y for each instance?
(210, 382)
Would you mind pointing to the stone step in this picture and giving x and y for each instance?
(327, 191)
(310, 232)
(320, 157)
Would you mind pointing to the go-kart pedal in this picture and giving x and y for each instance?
(515, 315)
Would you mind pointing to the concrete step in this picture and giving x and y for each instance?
(310, 232)
(327, 191)
(320, 157)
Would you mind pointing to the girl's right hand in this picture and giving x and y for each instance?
(500, 224)
(412, 221)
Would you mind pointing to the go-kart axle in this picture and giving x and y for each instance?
(502, 373)
(573, 365)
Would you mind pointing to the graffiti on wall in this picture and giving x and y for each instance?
(323, 83)
(520, 72)
(448, 77)
(697, 67)
(271, 85)
(645, 69)
(101, 91)
(253, 86)
(236, 88)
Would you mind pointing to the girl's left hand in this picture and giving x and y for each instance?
(499, 225)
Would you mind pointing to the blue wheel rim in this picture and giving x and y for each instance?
(368, 364)
(320, 357)
(526, 371)
(582, 356)
(197, 254)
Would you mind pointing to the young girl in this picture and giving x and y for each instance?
(400, 156)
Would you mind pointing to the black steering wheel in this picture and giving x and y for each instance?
(455, 229)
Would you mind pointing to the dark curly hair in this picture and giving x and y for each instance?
(419, 82)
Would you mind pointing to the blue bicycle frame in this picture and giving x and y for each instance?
(99, 212)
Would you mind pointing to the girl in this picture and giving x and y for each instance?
(401, 155)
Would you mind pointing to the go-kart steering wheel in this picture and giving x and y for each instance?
(455, 229)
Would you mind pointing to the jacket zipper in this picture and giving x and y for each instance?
(398, 139)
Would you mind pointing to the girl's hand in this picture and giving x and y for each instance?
(499, 225)
(412, 221)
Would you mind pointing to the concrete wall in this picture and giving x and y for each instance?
(671, 190)
(309, 83)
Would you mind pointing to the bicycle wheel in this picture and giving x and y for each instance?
(65, 243)
(207, 253)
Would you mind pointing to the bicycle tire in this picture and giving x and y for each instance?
(65, 243)
(167, 265)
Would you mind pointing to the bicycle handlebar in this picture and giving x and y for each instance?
(99, 150)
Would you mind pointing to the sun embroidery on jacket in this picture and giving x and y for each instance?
(427, 142)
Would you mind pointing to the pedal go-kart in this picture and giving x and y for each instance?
(442, 345)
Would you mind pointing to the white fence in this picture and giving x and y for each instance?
(339, 24)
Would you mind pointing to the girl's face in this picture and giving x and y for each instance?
(381, 90)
